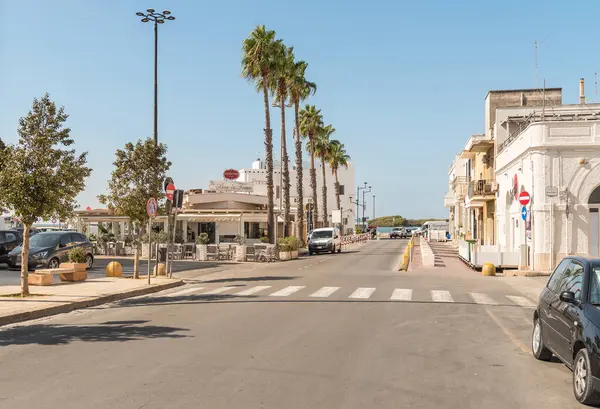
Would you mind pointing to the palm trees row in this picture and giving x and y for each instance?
(272, 67)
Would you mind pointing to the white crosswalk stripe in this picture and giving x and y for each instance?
(287, 291)
(253, 290)
(218, 290)
(522, 301)
(441, 296)
(485, 299)
(401, 294)
(324, 292)
(362, 292)
(185, 291)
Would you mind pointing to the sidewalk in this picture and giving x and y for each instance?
(65, 297)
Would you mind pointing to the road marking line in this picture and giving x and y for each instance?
(253, 290)
(508, 332)
(362, 292)
(324, 292)
(218, 290)
(482, 299)
(185, 291)
(287, 291)
(441, 296)
(401, 294)
(522, 301)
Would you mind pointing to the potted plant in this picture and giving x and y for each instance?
(76, 262)
(202, 246)
(288, 248)
(264, 240)
(240, 249)
(294, 244)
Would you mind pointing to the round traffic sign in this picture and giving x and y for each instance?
(524, 198)
(152, 207)
(524, 213)
(170, 190)
(231, 174)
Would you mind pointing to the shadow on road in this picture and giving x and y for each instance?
(185, 299)
(263, 278)
(115, 331)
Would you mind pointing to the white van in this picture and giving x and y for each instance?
(327, 239)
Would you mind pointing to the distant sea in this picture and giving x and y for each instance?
(384, 229)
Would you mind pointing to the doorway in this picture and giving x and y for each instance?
(209, 228)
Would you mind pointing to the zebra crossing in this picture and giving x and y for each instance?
(360, 293)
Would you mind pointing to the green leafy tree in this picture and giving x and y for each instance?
(260, 52)
(41, 174)
(299, 89)
(311, 122)
(321, 145)
(2, 148)
(338, 158)
(137, 176)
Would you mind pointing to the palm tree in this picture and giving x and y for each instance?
(281, 79)
(258, 63)
(322, 148)
(338, 157)
(299, 89)
(311, 121)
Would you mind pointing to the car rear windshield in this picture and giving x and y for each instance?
(322, 234)
(44, 240)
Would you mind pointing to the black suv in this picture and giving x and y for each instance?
(566, 323)
(9, 240)
(49, 249)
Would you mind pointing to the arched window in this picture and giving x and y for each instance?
(595, 196)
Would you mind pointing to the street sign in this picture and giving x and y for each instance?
(551, 191)
(524, 213)
(231, 174)
(524, 198)
(170, 190)
(152, 207)
(168, 180)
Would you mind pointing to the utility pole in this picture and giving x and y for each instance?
(373, 207)
(536, 44)
(364, 203)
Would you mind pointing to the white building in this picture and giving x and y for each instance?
(554, 155)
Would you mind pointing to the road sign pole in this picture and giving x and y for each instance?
(174, 232)
(149, 247)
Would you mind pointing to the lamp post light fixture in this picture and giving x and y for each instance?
(157, 18)
(365, 203)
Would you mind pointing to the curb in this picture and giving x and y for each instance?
(91, 302)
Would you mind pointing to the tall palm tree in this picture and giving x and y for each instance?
(322, 148)
(311, 121)
(281, 79)
(338, 157)
(258, 63)
(299, 89)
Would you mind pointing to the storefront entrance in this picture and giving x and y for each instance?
(209, 228)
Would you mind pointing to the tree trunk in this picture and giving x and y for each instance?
(286, 174)
(313, 185)
(136, 260)
(337, 190)
(25, 262)
(269, 160)
(324, 191)
(299, 180)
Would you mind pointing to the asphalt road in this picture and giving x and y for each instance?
(328, 331)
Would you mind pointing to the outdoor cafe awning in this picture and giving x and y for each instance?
(227, 217)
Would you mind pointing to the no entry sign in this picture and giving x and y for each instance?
(169, 191)
(524, 198)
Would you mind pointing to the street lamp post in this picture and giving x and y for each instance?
(364, 202)
(358, 189)
(157, 18)
(373, 207)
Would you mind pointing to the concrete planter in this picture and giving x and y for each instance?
(294, 254)
(201, 252)
(79, 275)
(285, 255)
(240, 253)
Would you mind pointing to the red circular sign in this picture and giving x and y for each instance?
(170, 190)
(524, 198)
(231, 174)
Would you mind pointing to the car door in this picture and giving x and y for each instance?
(548, 303)
(64, 246)
(12, 241)
(3, 247)
(567, 314)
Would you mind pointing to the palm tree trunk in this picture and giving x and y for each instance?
(313, 185)
(269, 160)
(337, 190)
(24, 262)
(286, 174)
(299, 176)
(324, 192)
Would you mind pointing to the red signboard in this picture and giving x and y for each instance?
(231, 174)
(524, 198)
(170, 190)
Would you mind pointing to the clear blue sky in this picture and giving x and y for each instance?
(402, 82)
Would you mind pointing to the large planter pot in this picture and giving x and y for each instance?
(240, 253)
(285, 255)
(79, 275)
(294, 254)
(201, 252)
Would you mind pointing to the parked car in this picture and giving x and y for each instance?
(398, 233)
(324, 240)
(566, 323)
(49, 249)
(9, 240)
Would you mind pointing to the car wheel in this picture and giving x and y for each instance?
(310, 253)
(339, 249)
(537, 343)
(89, 261)
(53, 263)
(583, 384)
